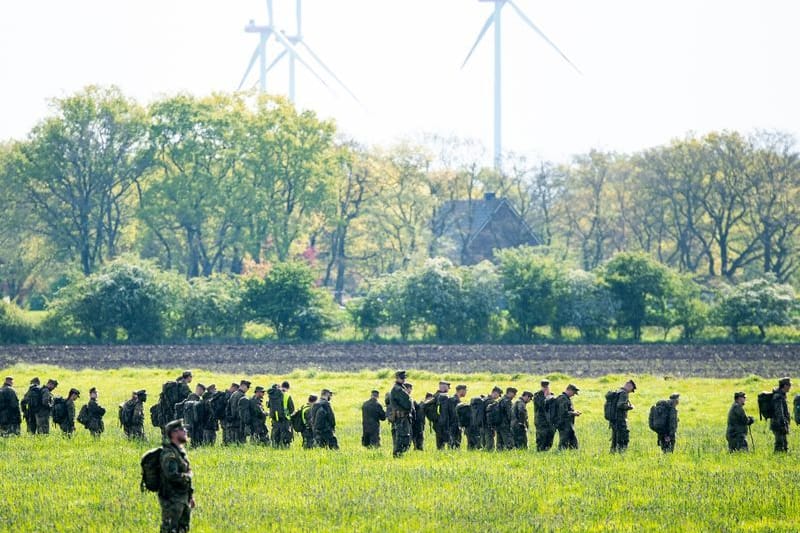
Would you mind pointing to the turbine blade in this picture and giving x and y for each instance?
(292, 50)
(325, 67)
(275, 61)
(541, 34)
(485, 28)
(249, 67)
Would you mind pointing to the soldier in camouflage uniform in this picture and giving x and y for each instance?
(545, 430)
(323, 422)
(505, 439)
(667, 441)
(282, 435)
(442, 425)
(256, 417)
(68, 425)
(565, 419)
(234, 415)
(29, 405)
(210, 423)
(92, 415)
(620, 434)
(738, 424)
(490, 430)
(372, 414)
(418, 420)
(10, 418)
(176, 492)
(45, 407)
(400, 404)
(135, 430)
(455, 423)
(226, 432)
(519, 424)
(305, 416)
(183, 385)
(781, 416)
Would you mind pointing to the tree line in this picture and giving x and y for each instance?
(233, 184)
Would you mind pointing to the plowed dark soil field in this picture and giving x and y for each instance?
(574, 360)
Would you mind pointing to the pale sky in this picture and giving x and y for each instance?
(652, 69)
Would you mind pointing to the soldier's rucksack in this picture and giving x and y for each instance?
(659, 417)
(442, 410)
(478, 414)
(83, 416)
(464, 415)
(59, 410)
(610, 407)
(34, 399)
(178, 410)
(170, 395)
(126, 414)
(493, 414)
(275, 403)
(157, 416)
(431, 410)
(765, 406)
(151, 470)
(298, 424)
(551, 410)
(191, 413)
(218, 403)
(797, 409)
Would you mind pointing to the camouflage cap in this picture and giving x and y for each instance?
(35, 381)
(285, 385)
(545, 383)
(201, 386)
(312, 398)
(674, 396)
(326, 391)
(54, 382)
(497, 389)
(400, 374)
(784, 381)
(259, 389)
(173, 426)
(461, 387)
(511, 389)
(244, 383)
(92, 390)
(740, 394)
(374, 393)
(76, 392)
(186, 374)
(141, 392)
(528, 393)
(573, 388)
(633, 383)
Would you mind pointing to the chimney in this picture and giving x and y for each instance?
(489, 196)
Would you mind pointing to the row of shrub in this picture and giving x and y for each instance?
(510, 301)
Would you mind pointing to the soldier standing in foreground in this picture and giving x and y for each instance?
(620, 434)
(738, 424)
(10, 418)
(667, 440)
(401, 404)
(565, 419)
(68, 425)
(175, 495)
(519, 425)
(781, 417)
(545, 430)
(91, 415)
(372, 414)
(30, 404)
(505, 440)
(45, 407)
(324, 422)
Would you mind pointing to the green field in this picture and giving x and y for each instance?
(54, 484)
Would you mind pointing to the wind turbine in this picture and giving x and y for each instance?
(290, 45)
(494, 19)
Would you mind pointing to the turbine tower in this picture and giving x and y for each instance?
(290, 45)
(495, 19)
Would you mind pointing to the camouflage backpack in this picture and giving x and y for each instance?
(59, 410)
(478, 413)
(797, 409)
(126, 414)
(765, 407)
(431, 410)
(151, 470)
(551, 410)
(610, 407)
(170, 395)
(494, 416)
(83, 416)
(659, 417)
(275, 403)
(298, 419)
(156, 416)
(464, 415)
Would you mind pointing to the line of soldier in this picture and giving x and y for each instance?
(495, 421)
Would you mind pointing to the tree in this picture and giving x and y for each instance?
(287, 300)
(130, 296)
(78, 169)
(760, 303)
(585, 303)
(637, 282)
(433, 295)
(529, 285)
(680, 306)
(213, 308)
